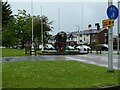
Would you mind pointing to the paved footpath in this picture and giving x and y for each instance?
(97, 59)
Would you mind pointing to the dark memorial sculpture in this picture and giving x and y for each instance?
(60, 41)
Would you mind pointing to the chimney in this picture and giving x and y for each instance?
(97, 26)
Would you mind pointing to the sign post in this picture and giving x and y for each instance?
(108, 23)
(112, 13)
(118, 38)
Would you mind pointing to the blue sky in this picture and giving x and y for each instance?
(71, 13)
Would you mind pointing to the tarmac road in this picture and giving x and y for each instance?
(97, 59)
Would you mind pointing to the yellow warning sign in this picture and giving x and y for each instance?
(108, 23)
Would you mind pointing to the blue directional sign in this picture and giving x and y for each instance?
(112, 12)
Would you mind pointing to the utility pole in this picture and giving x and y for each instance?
(110, 43)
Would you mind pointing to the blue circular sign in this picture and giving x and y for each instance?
(112, 12)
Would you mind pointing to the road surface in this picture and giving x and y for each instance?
(97, 59)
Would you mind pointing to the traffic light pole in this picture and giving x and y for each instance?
(110, 43)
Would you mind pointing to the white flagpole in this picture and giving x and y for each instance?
(59, 19)
(32, 22)
(42, 30)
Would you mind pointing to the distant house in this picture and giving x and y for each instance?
(99, 36)
(72, 38)
(89, 36)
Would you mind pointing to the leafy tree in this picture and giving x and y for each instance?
(19, 29)
(23, 26)
(9, 37)
(6, 13)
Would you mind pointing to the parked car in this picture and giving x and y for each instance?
(86, 48)
(40, 47)
(69, 48)
(83, 48)
(47, 47)
(103, 47)
(79, 47)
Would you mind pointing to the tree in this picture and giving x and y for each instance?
(9, 37)
(19, 29)
(6, 13)
(23, 26)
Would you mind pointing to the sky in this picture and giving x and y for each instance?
(73, 13)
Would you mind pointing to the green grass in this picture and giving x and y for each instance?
(0, 75)
(56, 74)
(12, 52)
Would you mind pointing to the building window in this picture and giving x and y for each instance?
(105, 34)
(71, 39)
(105, 40)
(80, 35)
(93, 40)
(87, 35)
(80, 40)
(84, 39)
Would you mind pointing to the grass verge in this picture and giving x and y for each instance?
(12, 52)
(56, 74)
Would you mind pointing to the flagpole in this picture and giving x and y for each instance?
(32, 23)
(42, 31)
(59, 19)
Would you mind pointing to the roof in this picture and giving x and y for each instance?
(72, 34)
(90, 31)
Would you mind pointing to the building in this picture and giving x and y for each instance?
(88, 36)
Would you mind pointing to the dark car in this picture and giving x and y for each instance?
(103, 47)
